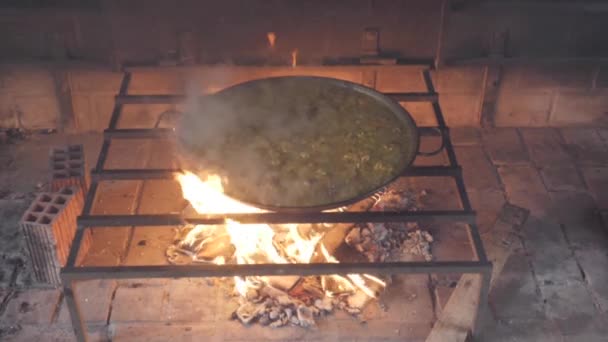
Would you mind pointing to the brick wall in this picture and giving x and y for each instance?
(66, 94)
(552, 95)
(528, 96)
(27, 97)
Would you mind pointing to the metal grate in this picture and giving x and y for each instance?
(71, 274)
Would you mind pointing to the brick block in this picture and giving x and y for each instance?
(37, 112)
(421, 112)
(547, 77)
(465, 136)
(545, 146)
(89, 81)
(516, 109)
(467, 79)
(504, 146)
(580, 108)
(68, 167)
(461, 109)
(399, 81)
(49, 226)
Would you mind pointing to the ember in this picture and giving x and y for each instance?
(277, 301)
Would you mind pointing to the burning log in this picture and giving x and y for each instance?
(276, 301)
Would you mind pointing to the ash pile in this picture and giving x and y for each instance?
(277, 301)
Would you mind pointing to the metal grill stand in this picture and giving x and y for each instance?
(71, 273)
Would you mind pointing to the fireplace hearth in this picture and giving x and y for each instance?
(73, 273)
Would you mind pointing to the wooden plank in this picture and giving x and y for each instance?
(458, 316)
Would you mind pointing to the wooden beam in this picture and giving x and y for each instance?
(458, 317)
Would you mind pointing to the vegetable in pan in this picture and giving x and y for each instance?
(297, 141)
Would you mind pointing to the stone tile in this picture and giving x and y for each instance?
(460, 109)
(108, 246)
(550, 76)
(429, 144)
(139, 304)
(479, 174)
(95, 81)
(594, 262)
(487, 204)
(39, 333)
(149, 245)
(603, 132)
(441, 191)
(537, 330)
(577, 212)
(408, 300)
(31, 307)
(580, 108)
(504, 146)
(550, 255)
(579, 329)
(38, 111)
(514, 295)
(545, 146)
(523, 109)
(570, 306)
(513, 214)
(499, 245)
(395, 80)
(585, 145)
(562, 178)
(465, 136)
(94, 298)
(148, 332)
(525, 188)
(451, 242)
(180, 304)
(422, 113)
(116, 198)
(597, 182)
(459, 79)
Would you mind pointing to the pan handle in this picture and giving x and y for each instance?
(441, 133)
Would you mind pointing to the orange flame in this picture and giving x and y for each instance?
(272, 38)
(254, 242)
(294, 58)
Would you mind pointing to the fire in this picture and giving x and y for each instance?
(255, 243)
(272, 38)
(294, 58)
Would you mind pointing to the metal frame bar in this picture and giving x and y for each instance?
(71, 273)
(175, 99)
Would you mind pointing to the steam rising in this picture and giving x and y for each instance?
(292, 141)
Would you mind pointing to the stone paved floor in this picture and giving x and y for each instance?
(552, 286)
